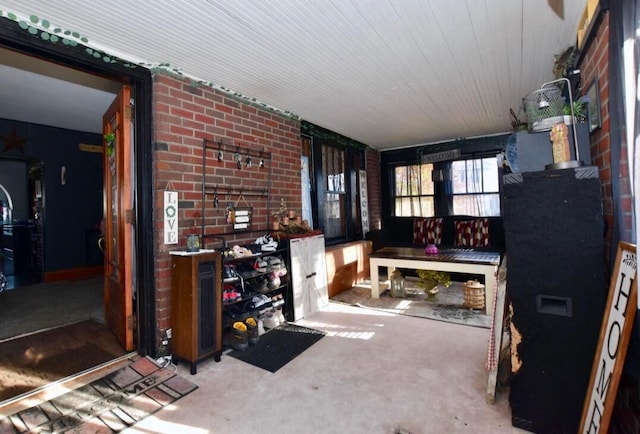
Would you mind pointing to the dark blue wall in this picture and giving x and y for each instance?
(71, 211)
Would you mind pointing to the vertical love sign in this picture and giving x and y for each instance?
(613, 343)
(170, 212)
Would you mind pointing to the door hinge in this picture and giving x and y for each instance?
(128, 112)
(130, 217)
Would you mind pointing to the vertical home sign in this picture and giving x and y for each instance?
(364, 202)
(170, 212)
(613, 343)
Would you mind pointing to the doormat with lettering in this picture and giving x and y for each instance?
(107, 405)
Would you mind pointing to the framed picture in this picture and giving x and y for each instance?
(593, 112)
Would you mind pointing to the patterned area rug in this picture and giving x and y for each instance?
(447, 306)
(107, 405)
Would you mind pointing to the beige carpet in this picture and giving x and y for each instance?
(447, 305)
(372, 373)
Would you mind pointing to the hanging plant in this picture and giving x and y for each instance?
(110, 140)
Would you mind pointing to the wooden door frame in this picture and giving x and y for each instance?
(139, 78)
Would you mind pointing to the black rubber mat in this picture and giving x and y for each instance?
(279, 346)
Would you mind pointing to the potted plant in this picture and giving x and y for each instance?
(280, 217)
(579, 112)
(431, 281)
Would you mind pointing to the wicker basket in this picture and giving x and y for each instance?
(473, 294)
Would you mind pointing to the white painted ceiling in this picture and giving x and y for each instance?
(388, 73)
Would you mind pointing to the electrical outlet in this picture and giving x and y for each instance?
(168, 333)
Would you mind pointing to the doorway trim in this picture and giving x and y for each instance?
(14, 38)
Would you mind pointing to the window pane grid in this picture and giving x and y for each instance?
(475, 187)
(414, 191)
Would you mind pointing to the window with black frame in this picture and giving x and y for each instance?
(475, 187)
(335, 162)
(414, 191)
(335, 192)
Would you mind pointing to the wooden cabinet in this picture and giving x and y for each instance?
(196, 306)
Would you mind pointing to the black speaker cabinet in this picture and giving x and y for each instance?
(554, 235)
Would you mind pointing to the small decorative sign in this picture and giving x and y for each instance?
(170, 213)
(84, 147)
(451, 154)
(364, 202)
(242, 218)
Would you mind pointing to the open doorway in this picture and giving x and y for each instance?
(50, 253)
(88, 70)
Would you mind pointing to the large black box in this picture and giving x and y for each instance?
(554, 235)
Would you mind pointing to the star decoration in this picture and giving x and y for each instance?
(12, 141)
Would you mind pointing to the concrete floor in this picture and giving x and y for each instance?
(373, 373)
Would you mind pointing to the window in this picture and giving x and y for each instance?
(475, 187)
(414, 192)
(334, 164)
(333, 169)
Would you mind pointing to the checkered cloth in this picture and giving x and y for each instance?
(492, 354)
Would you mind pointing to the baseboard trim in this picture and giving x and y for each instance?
(72, 274)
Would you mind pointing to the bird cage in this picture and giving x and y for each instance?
(544, 108)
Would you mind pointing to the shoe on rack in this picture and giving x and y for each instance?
(241, 252)
(267, 243)
(254, 248)
(239, 337)
(277, 300)
(261, 330)
(252, 330)
(280, 315)
(229, 272)
(259, 284)
(230, 293)
(260, 265)
(271, 320)
(260, 301)
(274, 281)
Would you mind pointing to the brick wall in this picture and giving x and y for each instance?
(625, 417)
(183, 115)
(595, 64)
(373, 189)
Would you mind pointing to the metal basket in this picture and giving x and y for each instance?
(544, 108)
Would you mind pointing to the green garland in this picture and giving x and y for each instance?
(320, 133)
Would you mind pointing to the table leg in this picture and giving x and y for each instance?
(375, 283)
(490, 281)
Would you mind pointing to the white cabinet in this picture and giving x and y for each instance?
(308, 275)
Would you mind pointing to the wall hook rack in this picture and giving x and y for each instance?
(234, 185)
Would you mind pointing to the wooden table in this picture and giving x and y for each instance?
(450, 260)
